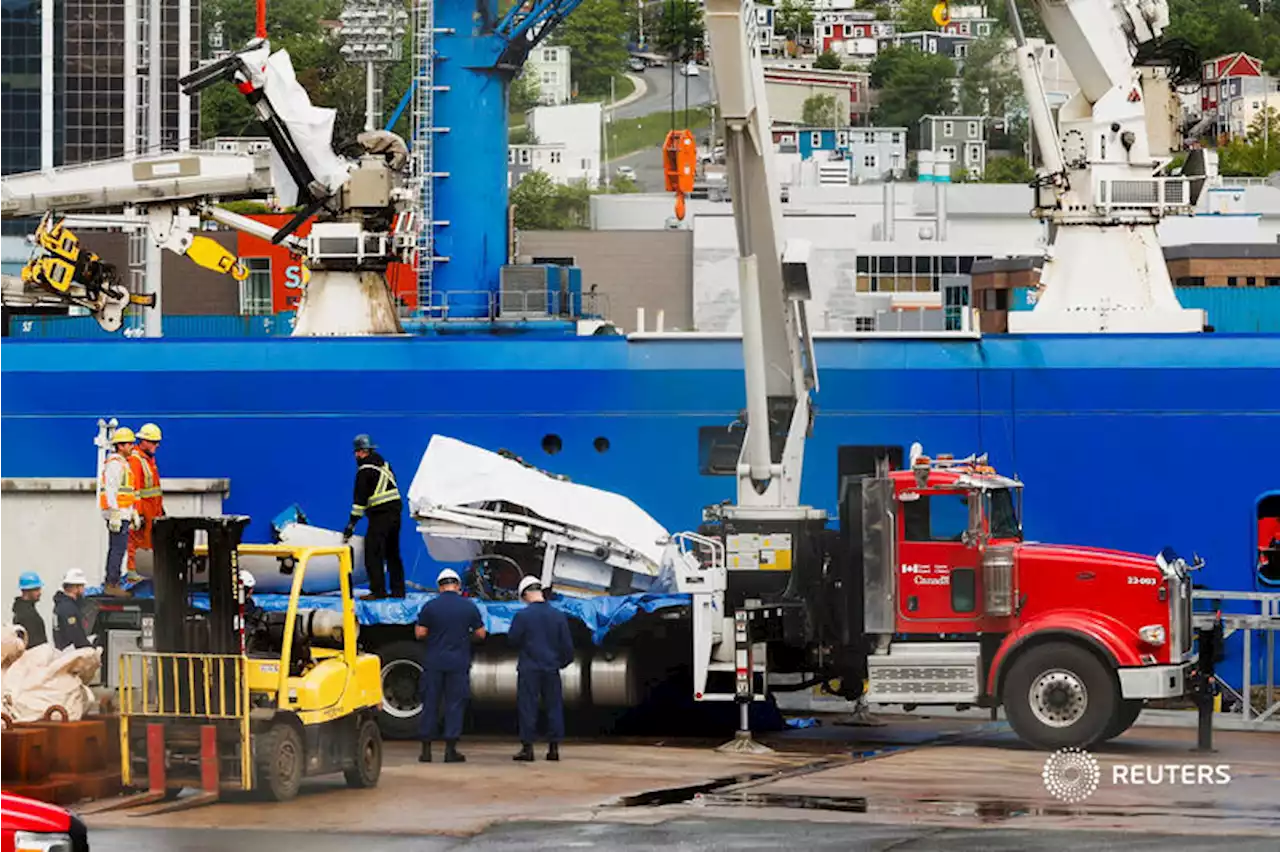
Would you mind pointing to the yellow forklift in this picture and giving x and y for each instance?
(221, 698)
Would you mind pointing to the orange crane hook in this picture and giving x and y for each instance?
(679, 164)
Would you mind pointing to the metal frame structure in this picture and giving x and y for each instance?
(1265, 619)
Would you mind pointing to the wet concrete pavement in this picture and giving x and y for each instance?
(918, 783)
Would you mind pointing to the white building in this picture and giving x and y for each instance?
(549, 66)
(862, 256)
(573, 132)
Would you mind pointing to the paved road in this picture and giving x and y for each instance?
(687, 835)
(657, 98)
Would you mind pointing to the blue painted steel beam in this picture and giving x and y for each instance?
(474, 66)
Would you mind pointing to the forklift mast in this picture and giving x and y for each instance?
(179, 573)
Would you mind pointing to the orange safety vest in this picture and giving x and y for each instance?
(152, 500)
(124, 493)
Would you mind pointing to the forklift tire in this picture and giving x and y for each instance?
(368, 756)
(1060, 695)
(401, 710)
(281, 763)
(1126, 714)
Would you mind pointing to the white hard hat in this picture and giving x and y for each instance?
(526, 583)
(246, 579)
(448, 575)
(75, 577)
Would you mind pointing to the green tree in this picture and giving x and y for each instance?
(793, 18)
(989, 83)
(911, 84)
(916, 15)
(523, 94)
(679, 28)
(828, 61)
(820, 111)
(596, 34)
(1008, 170)
(1257, 155)
(1032, 26)
(533, 203)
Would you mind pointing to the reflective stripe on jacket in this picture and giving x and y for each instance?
(375, 485)
(116, 491)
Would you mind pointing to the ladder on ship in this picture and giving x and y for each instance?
(424, 131)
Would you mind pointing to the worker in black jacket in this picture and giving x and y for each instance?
(24, 608)
(541, 632)
(377, 497)
(68, 619)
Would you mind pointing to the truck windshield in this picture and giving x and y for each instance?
(1003, 514)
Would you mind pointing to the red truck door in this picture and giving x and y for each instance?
(937, 564)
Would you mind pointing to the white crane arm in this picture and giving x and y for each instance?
(169, 179)
(773, 279)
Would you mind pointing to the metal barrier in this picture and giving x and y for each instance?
(1264, 617)
(199, 687)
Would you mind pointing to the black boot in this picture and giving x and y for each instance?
(553, 751)
(425, 757)
(525, 753)
(451, 753)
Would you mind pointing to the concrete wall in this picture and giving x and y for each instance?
(632, 269)
(53, 525)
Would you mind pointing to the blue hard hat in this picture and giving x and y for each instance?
(29, 580)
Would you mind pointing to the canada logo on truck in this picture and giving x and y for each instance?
(929, 575)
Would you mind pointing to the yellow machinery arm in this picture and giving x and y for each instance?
(67, 270)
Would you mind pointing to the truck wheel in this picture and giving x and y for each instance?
(401, 690)
(1059, 695)
(368, 756)
(1126, 714)
(280, 762)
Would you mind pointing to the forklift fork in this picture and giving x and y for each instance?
(153, 800)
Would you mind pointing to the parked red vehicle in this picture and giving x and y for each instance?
(31, 826)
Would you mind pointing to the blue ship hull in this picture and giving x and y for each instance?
(1125, 442)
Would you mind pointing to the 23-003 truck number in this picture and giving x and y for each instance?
(1142, 581)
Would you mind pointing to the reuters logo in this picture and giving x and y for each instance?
(1071, 775)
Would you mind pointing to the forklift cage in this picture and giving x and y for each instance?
(216, 689)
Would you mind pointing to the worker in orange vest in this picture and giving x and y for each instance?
(150, 501)
(116, 498)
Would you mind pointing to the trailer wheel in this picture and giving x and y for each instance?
(281, 762)
(1059, 695)
(367, 767)
(401, 690)
(1126, 714)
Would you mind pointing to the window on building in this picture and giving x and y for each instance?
(972, 129)
(1272, 281)
(555, 158)
(1189, 281)
(525, 158)
(826, 30)
(864, 323)
(962, 50)
(972, 155)
(1251, 281)
(869, 138)
(948, 151)
(586, 165)
(964, 30)
(548, 55)
(897, 138)
(948, 128)
(869, 161)
(984, 29)
(933, 45)
(548, 78)
(842, 139)
(255, 291)
(511, 156)
(1232, 281)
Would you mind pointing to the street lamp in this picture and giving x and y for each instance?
(373, 35)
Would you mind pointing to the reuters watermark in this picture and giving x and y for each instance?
(1072, 775)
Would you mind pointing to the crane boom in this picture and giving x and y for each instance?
(1102, 190)
(773, 278)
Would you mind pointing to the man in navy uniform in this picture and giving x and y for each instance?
(449, 623)
(541, 632)
(68, 619)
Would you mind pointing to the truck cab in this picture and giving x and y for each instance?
(959, 609)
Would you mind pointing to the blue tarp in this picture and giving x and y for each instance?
(600, 615)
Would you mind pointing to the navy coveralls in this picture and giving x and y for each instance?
(450, 620)
(541, 632)
(68, 623)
